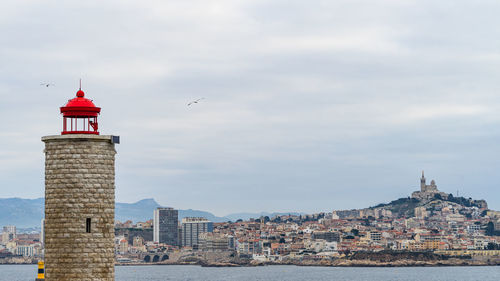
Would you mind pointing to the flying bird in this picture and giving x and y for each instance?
(195, 101)
(46, 84)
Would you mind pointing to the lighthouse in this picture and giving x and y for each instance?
(79, 196)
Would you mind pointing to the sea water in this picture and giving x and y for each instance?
(278, 273)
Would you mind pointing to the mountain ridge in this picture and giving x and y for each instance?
(27, 213)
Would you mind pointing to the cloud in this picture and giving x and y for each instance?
(308, 106)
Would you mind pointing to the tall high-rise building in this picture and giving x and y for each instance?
(165, 225)
(42, 232)
(10, 229)
(8, 233)
(192, 228)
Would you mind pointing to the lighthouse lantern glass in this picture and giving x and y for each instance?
(80, 116)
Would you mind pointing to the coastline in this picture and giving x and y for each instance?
(334, 263)
(357, 259)
(316, 264)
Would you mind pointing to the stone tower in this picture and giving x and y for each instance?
(422, 183)
(79, 197)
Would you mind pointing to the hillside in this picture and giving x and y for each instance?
(20, 212)
(405, 207)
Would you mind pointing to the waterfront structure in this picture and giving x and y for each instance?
(165, 226)
(209, 241)
(25, 250)
(192, 228)
(79, 197)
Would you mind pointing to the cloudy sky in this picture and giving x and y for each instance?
(309, 105)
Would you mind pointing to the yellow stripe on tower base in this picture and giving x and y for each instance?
(41, 271)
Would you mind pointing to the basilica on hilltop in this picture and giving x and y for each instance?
(427, 191)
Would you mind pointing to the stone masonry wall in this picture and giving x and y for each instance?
(79, 184)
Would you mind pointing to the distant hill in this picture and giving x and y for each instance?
(405, 207)
(22, 213)
(139, 211)
(143, 210)
(26, 213)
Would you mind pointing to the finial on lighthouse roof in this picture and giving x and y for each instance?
(80, 93)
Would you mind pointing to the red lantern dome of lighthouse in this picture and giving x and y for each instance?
(80, 116)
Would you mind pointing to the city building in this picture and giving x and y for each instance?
(375, 236)
(165, 226)
(123, 246)
(8, 233)
(209, 241)
(25, 250)
(138, 241)
(9, 229)
(192, 228)
(328, 236)
(42, 232)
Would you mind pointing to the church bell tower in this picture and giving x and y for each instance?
(422, 182)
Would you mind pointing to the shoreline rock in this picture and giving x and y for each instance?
(334, 263)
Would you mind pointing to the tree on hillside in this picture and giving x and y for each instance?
(490, 229)
(493, 246)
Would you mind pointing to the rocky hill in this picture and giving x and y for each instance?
(405, 207)
(427, 201)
